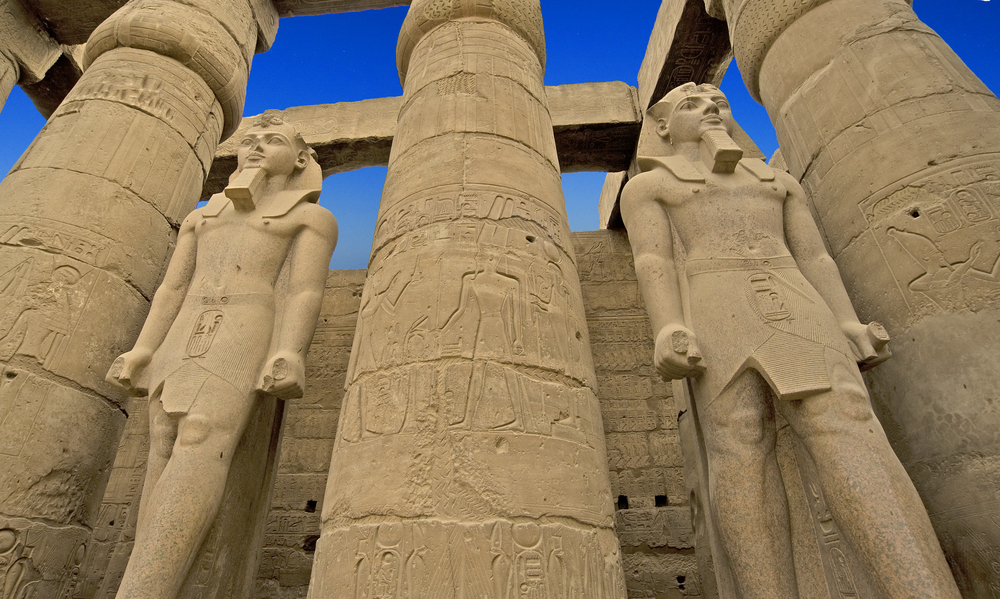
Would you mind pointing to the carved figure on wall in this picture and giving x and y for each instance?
(232, 320)
(759, 322)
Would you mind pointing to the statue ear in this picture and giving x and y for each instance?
(663, 128)
(301, 160)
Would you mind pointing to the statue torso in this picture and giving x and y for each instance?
(730, 215)
(242, 252)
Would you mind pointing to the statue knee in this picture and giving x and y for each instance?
(194, 430)
(740, 431)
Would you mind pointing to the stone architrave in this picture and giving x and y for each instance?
(87, 226)
(894, 139)
(470, 459)
(26, 50)
(596, 126)
(757, 319)
(229, 325)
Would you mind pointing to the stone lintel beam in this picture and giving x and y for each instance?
(296, 8)
(596, 127)
(71, 21)
(26, 49)
(686, 45)
(49, 93)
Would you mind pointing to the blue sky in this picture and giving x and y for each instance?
(351, 56)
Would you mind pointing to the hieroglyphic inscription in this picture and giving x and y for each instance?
(640, 420)
(512, 210)
(940, 235)
(40, 561)
(501, 560)
(655, 528)
(505, 299)
(42, 297)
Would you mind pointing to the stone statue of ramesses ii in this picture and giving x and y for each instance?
(761, 323)
(232, 319)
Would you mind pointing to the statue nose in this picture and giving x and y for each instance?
(712, 108)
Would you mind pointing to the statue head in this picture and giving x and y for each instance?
(277, 148)
(685, 114)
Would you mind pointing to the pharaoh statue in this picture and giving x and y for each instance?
(760, 324)
(231, 321)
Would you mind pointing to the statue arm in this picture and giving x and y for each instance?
(649, 233)
(127, 370)
(818, 267)
(676, 355)
(308, 265)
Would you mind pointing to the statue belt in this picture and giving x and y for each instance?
(698, 266)
(231, 299)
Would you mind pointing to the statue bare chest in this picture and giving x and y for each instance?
(242, 253)
(734, 215)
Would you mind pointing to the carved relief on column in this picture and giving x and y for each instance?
(892, 137)
(470, 454)
(85, 232)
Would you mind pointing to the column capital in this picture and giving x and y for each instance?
(523, 16)
(217, 45)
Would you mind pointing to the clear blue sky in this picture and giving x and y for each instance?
(351, 56)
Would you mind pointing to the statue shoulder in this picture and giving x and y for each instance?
(760, 170)
(315, 217)
(678, 168)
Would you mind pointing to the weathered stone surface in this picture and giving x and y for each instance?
(227, 332)
(50, 491)
(25, 39)
(290, 8)
(27, 52)
(72, 21)
(890, 134)
(59, 80)
(88, 212)
(653, 520)
(470, 457)
(731, 263)
(686, 45)
(596, 127)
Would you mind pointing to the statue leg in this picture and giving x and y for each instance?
(747, 494)
(186, 498)
(162, 435)
(867, 490)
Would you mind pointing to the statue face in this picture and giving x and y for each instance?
(695, 114)
(270, 149)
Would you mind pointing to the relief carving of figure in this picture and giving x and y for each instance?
(759, 323)
(231, 321)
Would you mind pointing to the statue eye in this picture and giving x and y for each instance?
(722, 104)
(246, 141)
(687, 105)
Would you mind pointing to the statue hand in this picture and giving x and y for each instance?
(284, 375)
(676, 355)
(128, 371)
(870, 343)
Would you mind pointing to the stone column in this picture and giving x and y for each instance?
(469, 459)
(895, 140)
(86, 228)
